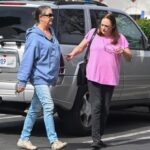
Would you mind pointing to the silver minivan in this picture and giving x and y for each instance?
(71, 22)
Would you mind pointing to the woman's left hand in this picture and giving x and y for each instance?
(119, 50)
(126, 53)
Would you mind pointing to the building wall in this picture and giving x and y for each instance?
(132, 7)
(138, 7)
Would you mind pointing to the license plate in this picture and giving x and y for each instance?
(8, 61)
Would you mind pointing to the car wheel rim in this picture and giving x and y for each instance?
(85, 112)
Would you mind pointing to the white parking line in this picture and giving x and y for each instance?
(10, 117)
(130, 141)
(2, 115)
(123, 136)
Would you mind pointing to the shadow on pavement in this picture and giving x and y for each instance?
(71, 146)
(118, 121)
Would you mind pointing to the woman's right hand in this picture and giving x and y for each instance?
(20, 89)
(77, 50)
(69, 56)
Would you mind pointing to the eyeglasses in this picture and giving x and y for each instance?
(106, 26)
(49, 15)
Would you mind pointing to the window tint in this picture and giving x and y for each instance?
(129, 29)
(125, 25)
(71, 26)
(14, 21)
(96, 16)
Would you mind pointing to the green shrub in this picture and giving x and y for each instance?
(145, 26)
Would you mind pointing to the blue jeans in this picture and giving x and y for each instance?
(41, 100)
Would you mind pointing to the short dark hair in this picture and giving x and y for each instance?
(39, 11)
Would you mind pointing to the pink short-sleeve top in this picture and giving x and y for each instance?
(103, 62)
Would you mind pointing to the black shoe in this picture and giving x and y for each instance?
(96, 148)
(103, 144)
(98, 144)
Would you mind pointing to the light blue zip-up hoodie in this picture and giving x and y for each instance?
(41, 58)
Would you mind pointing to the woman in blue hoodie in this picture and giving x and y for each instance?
(40, 65)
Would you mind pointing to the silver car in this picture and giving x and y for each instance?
(71, 22)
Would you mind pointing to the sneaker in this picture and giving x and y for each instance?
(56, 145)
(26, 144)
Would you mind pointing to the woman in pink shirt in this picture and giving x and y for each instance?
(103, 70)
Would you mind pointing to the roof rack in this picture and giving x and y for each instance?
(61, 2)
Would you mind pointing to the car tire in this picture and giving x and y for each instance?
(77, 121)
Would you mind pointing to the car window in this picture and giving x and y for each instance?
(125, 25)
(71, 26)
(14, 21)
(96, 16)
(129, 29)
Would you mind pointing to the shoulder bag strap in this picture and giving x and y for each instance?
(88, 48)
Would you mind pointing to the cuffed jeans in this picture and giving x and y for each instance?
(41, 100)
(100, 98)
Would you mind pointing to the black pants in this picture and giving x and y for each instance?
(100, 98)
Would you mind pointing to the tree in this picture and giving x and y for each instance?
(144, 23)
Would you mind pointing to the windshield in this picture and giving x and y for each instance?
(14, 21)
